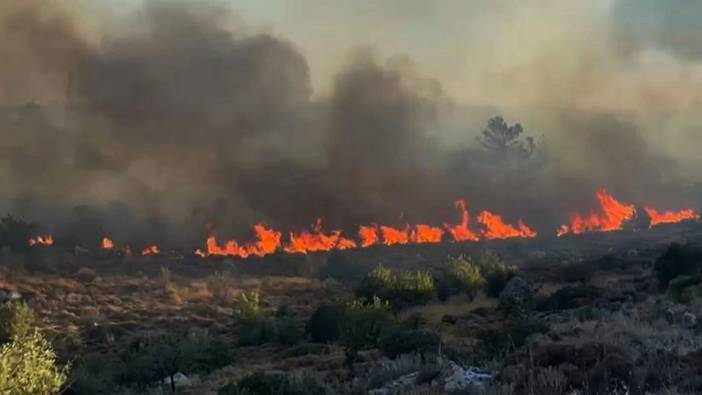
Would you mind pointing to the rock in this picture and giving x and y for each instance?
(86, 274)
(74, 298)
(457, 378)
(689, 320)
(14, 296)
(397, 386)
(3, 296)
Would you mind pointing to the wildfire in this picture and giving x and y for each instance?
(669, 216)
(495, 228)
(316, 240)
(150, 250)
(107, 243)
(267, 242)
(462, 232)
(612, 214)
(46, 240)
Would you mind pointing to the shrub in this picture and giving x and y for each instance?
(363, 324)
(401, 342)
(165, 278)
(219, 284)
(16, 319)
(324, 323)
(28, 362)
(571, 297)
(496, 272)
(400, 288)
(15, 233)
(511, 336)
(678, 260)
(288, 332)
(249, 305)
(576, 272)
(465, 274)
(92, 375)
(682, 289)
(259, 384)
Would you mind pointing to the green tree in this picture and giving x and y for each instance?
(28, 362)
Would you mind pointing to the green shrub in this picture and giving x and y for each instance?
(511, 336)
(678, 260)
(93, 374)
(466, 276)
(496, 272)
(364, 323)
(16, 319)
(28, 362)
(249, 305)
(400, 288)
(324, 323)
(257, 330)
(571, 297)
(259, 384)
(682, 289)
(401, 342)
(288, 332)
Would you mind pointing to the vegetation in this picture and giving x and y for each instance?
(363, 324)
(15, 233)
(400, 288)
(412, 341)
(324, 324)
(27, 362)
(496, 272)
(678, 260)
(509, 337)
(465, 274)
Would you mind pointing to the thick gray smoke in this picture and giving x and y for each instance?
(177, 124)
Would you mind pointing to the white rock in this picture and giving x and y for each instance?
(459, 378)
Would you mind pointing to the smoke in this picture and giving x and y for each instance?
(178, 120)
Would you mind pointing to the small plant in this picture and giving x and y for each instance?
(510, 336)
(28, 362)
(401, 342)
(683, 289)
(16, 319)
(249, 305)
(400, 288)
(165, 278)
(496, 272)
(466, 275)
(219, 284)
(678, 260)
(363, 324)
(323, 325)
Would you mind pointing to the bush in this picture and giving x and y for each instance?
(465, 274)
(288, 332)
(259, 384)
(249, 305)
(15, 233)
(363, 324)
(511, 336)
(94, 374)
(219, 284)
(496, 272)
(409, 342)
(576, 272)
(324, 323)
(28, 362)
(400, 288)
(682, 289)
(678, 260)
(571, 297)
(16, 319)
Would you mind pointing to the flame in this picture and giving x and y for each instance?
(267, 242)
(46, 240)
(368, 235)
(316, 240)
(107, 243)
(495, 228)
(150, 250)
(427, 234)
(611, 215)
(393, 236)
(669, 216)
(461, 232)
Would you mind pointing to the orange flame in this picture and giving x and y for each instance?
(316, 240)
(393, 236)
(427, 234)
(107, 243)
(495, 228)
(150, 250)
(669, 216)
(47, 240)
(267, 242)
(611, 216)
(368, 235)
(461, 232)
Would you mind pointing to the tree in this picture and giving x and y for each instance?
(15, 233)
(506, 141)
(28, 362)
